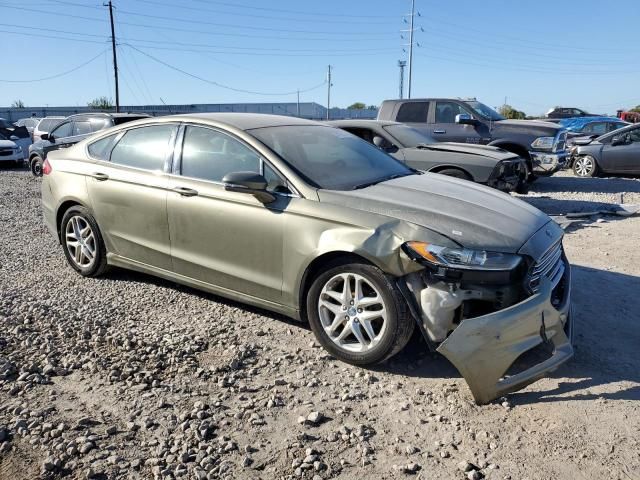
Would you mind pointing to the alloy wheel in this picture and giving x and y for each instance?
(352, 312)
(584, 166)
(80, 241)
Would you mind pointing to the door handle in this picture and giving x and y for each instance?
(185, 192)
(439, 131)
(101, 177)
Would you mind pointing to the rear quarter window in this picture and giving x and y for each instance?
(101, 149)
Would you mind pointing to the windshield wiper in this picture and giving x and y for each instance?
(423, 145)
(380, 180)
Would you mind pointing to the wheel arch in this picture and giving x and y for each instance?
(320, 264)
(62, 209)
(439, 168)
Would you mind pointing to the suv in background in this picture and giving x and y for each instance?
(45, 126)
(71, 130)
(29, 123)
(568, 112)
(540, 144)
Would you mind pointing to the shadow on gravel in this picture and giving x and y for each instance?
(613, 184)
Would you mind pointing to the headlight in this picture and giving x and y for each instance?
(462, 258)
(543, 143)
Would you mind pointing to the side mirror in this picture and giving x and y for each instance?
(46, 136)
(13, 137)
(248, 182)
(378, 141)
(465, 119)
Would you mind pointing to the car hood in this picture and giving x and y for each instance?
(491, 152)
(535, 127)
(7, 144)
(472, 215)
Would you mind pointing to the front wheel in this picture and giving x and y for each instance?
(585, 166)
(357, 314)
(36, 166)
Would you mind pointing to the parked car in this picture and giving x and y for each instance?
(312, 222)
(614, 152)
(10, 151)
(541, 144)
(70, 131)
(490, 166)
(12, 136)
(45, 126)
(29, 123)
(591, 126)
(568, 112)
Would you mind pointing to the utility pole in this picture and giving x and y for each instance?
(413, 14)
(401, 64)
(115, 57)
(298, 102)
(328, 91)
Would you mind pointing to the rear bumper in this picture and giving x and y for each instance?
(547, 163)
(483, 348)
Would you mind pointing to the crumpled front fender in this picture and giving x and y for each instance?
(483, 348)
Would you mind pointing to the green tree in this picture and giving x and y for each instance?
(635, 109)
(357, 106)
(101, 103)
(507, 111)
(17, 104)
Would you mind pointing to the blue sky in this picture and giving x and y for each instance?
(537, 54)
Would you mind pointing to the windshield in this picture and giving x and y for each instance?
(330, 158)
(408, 137)
(485, 112)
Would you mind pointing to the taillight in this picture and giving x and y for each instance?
(46, 168)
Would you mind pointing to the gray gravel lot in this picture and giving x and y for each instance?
(128, 376)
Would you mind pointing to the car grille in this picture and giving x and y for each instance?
(6, 152)
(550, 265)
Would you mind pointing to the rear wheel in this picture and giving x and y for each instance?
(454, 172)
(585, 166)
(357, 314)
(36, 166)
(82, 242)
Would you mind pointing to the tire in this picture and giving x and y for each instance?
(36, 166)
(585, 166)
(453, 172)
(391, 328)
(89, 256)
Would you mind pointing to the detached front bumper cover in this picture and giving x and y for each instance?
(483, 348)
(547, 163)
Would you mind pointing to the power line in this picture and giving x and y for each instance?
(192, 75)
(62, 74)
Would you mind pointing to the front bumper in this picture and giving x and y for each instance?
(483, 348)
(547, 163)
(11, 156)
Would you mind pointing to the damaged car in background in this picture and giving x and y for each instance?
(312, 222)
(490, 166)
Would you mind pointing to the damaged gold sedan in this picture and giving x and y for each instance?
(312, 222)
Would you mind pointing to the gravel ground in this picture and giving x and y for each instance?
(128, 376)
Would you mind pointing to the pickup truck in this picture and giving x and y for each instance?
(541, 144)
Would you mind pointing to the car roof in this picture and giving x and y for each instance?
(361, 123)
(106, 115)
(241, 121)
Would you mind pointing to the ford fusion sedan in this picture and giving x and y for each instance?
(490, 166)
(310, 221)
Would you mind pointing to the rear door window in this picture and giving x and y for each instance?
(413, 112)
(144, 147)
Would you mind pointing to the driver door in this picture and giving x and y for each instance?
(59, 137)
(226, 239)
(624, 157)
(444, 126)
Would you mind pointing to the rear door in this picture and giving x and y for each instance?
(128, 191)
(226, 239)
(444, 127)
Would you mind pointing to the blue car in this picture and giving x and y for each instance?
(588, 126)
